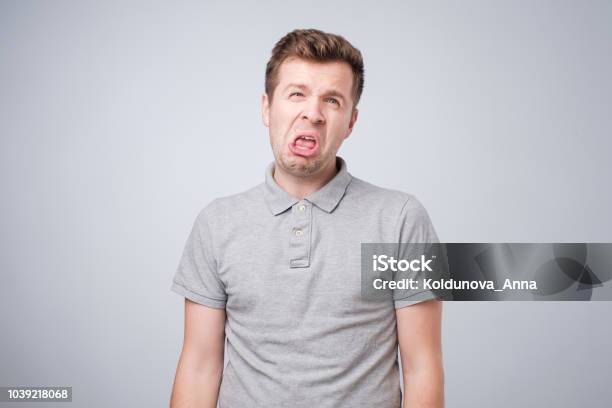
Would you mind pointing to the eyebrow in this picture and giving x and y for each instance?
(331, 92)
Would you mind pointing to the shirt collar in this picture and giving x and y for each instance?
(326, 198)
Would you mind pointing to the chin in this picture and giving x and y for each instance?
(301, 166)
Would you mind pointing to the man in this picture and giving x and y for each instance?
(276, 270)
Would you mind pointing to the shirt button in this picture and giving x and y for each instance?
(301, 207)
(298, 233)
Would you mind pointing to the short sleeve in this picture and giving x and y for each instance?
(196, 277)
(415, 227)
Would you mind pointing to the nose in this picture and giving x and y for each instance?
(312, 111)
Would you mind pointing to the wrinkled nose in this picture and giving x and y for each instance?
(312, 112)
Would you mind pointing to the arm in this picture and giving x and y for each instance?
(418, 333)
(198, 375)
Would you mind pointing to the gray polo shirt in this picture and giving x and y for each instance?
(287, 271)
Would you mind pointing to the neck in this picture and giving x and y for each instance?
(301, 187)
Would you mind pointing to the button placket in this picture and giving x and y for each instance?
(299, 242)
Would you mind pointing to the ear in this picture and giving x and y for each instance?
(352, 122)
(265, 110)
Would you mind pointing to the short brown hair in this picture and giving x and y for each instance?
(315, 45)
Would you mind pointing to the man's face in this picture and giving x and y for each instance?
(310, 114)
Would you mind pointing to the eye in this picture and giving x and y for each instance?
(334, 100)
(296, 94)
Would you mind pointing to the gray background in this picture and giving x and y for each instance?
(120, 121)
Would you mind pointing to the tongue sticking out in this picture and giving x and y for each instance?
(304, 143)
(304, 147)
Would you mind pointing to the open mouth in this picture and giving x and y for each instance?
(305, 144)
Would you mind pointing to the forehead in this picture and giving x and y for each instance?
(332, 74)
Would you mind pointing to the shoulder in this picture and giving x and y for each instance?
(393, 200)
(399, 210)
(227, 208)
